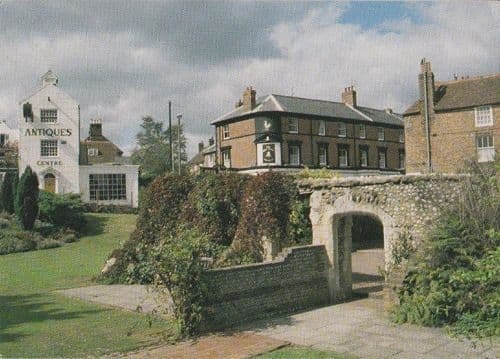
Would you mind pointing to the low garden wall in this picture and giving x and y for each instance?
(294, 281)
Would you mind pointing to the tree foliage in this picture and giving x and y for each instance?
(153, 149)
(26, 204)
(8, 192)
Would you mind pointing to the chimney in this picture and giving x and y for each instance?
(95, 128)
(349, 96)
(249, 99)
(210, 141)
(238, 104)
(200, 146)
(426, 83)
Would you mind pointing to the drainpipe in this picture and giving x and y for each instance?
(427, 124)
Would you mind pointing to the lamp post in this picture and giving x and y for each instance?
(179, 116)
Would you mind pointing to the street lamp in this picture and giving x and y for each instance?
(179, 116)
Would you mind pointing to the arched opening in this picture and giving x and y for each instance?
(49, 182)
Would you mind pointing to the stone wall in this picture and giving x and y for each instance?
(295, 281)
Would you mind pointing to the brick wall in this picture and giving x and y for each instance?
(295, 281)
(453, 139)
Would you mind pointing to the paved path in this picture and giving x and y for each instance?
(233, 346)
(360, 328)
(139, 298)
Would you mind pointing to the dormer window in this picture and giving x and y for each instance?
(93, 152)
(48, 115)
(483, 116)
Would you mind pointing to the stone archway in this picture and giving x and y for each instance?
(49, 182)
(332, 227)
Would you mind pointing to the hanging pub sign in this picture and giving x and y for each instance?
(269, 153)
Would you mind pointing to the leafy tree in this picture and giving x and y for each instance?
(7, 192)
(153, 151)
(27, 199)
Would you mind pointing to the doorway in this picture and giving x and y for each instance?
(49, 183)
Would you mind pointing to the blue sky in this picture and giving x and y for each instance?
(122, 60)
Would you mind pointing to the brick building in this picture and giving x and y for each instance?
(289, 133)
(452, 122)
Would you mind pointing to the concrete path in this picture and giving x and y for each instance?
(138, 298)
(232, 346)
(360, 328)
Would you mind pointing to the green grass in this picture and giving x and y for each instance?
(303, 353)
(35, 322)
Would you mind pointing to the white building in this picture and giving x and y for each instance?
(49, 142)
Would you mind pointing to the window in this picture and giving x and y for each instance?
(363, 156)
(48, 148)
(3, 139)
(107, 186)
(226, 158)
(93, 152)
(210, 160)
(484, 116)
(342, 130)
(322, 128)
(402, 136)
(294, 151)
(362, 131)
(382, 158)
(381, 134)
(343, 156)
(49, 116)
(401, 160)
(485, 148)
(293, 125)
(323, 154)
(225, 132)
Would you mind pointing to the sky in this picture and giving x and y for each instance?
(123, 60)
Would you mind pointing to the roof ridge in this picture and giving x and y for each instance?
(478, 77)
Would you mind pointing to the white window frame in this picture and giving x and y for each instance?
(381, 133)
(485, 147)
(322, 128)
(48, 115)
(323, 155)
(483, 116)
(93, 152)
(342, 129)
(343, 157)
(225, 132)
(363, 157)
(293, 125)
(294, 158)
(362, 131)
(382, 159)
(107, 186)
(49, 148)
(401, 136)
(226, 158)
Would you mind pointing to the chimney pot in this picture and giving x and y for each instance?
(210, 141)
(249, 99)
(349, 96)
(95, 128)
(200, 146)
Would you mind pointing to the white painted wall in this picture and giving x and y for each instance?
(65, 165)
(131, 177)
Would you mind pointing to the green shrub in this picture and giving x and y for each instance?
(64, 211)
(7, 192)
(48, 243)
(213, 206)
(26, 203)
(12, 242)
(456, 276)
(299, 231)
(179, 268)
(266, 204)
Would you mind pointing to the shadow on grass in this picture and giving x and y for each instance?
(32, 308)
(95, 224)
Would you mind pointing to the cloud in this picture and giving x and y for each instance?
(125, 60)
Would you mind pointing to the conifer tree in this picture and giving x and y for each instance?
(26, 203)
(7, 192)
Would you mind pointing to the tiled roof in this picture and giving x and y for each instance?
(477, 91)
(298, 105)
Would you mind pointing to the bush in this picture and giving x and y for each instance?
(12, 242)
(456, 276)
(110, 208)
(26, 203)
(48, 243)
(64, 211)
(265, 210)
(179, 268)
(8, 192)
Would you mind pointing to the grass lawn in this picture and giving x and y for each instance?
(34, 322)
(303, 353)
